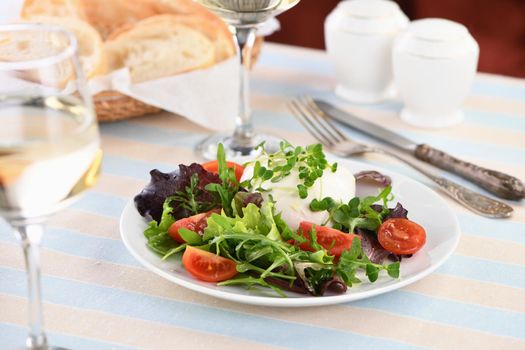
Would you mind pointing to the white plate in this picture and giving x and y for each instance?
(424, 207)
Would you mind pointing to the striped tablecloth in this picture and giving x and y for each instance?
(98, 297)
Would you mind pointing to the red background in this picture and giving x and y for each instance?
(497, 25)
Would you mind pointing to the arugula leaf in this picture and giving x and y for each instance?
(229, 186)
(250, 282)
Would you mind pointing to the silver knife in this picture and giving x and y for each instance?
(498, 183)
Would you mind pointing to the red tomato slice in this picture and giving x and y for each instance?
(213, 167)
(196, 223)
(329, 238)
(401, 236)
(207, 266)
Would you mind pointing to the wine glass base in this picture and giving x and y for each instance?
(207, 148)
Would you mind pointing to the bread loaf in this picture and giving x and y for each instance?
(108, 15)
(33, 45)
(90, 46)
(55, 8)
(157, 47)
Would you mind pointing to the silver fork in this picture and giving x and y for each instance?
(320, 127)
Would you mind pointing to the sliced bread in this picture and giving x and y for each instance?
(157, 47)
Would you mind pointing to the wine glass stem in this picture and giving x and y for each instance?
(243, 136)
(30, 236)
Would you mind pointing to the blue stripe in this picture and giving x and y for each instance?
(194, 316)
(304, 63)
(295, 63)
(13, 337)
(153, 135)
(92, 247)
(137, 169)
(499, 89)
(506, 323)
(495, 120)
(6, 232)
(498, 229)
(484, 270)
(101, 203)
(77, 244)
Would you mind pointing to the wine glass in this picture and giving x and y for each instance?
(244, 17)
(49, 142)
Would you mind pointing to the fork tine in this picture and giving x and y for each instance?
(318, 119)
(306, 121)
(327, 123)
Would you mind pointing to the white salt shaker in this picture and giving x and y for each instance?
(435, 61)
(359, 35)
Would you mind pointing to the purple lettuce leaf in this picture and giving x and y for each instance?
(150, 200)
(397, 212)
(373, 250)
(375, 176)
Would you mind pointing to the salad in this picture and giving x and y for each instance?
(289, 221)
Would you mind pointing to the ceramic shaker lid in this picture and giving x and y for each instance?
(367, 16)
(436, 38)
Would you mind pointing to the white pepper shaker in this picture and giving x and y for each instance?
(359, 35)
(435, 61)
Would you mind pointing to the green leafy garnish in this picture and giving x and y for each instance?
(309, 162)
(226, 190)
(355, 259)
(357, 212)
(157, 233)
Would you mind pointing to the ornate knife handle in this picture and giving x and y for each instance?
(476, 202)
(498, 183)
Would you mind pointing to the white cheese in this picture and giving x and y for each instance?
(339, 185)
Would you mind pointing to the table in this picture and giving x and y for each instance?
(98, 297)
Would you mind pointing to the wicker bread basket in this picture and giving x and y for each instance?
(112, 105)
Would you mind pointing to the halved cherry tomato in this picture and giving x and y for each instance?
(207, 266)
(329, 238)
(401, 236)
(196, 223)
(213, 167)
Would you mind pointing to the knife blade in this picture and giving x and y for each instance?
(367, 127)
(498, 183)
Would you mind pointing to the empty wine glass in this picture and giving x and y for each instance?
(49, 141)
(244, 17)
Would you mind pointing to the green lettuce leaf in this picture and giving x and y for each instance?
(157, 233)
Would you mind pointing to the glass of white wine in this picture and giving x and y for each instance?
(49, 141)
(244, 18)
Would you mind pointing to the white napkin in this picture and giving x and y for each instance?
(208, 97)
